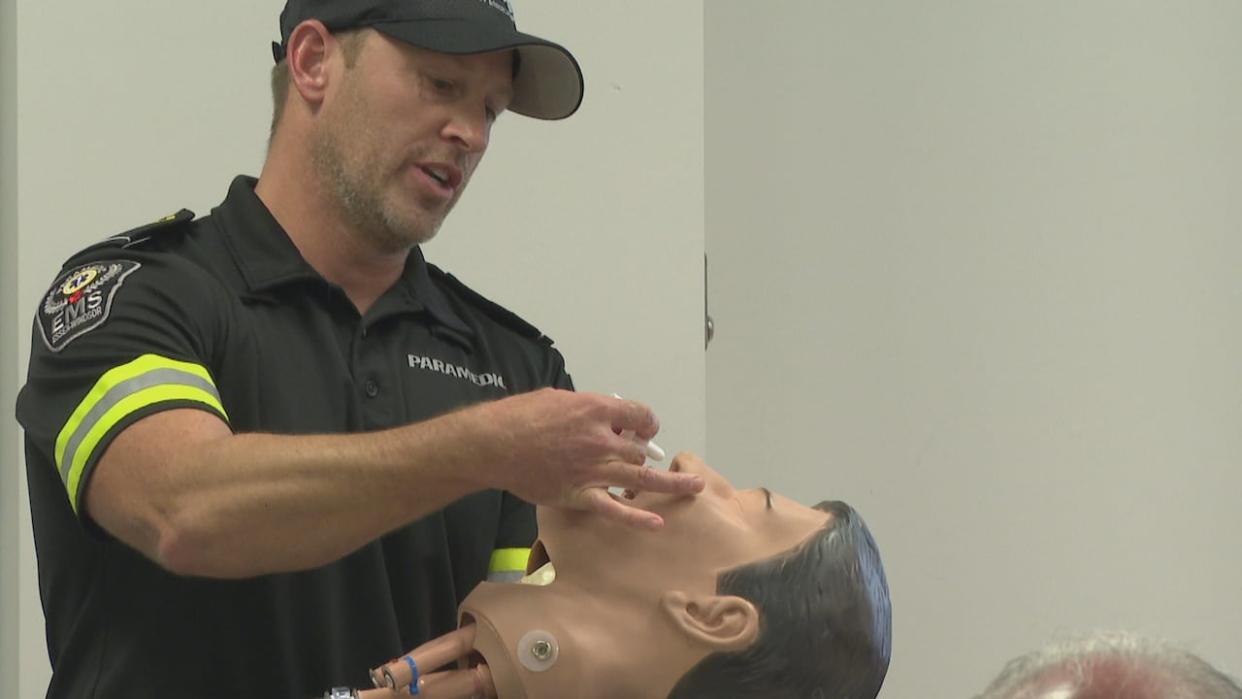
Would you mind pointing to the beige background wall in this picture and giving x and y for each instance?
(591, 228)
(9, 463)
(975, 269)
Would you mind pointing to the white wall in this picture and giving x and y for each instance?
(10, 495)
(592, 228)
(975, 270)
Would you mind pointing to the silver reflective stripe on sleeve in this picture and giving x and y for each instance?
(122, 391)
(506, 576)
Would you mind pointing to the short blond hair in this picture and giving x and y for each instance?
(351, 46)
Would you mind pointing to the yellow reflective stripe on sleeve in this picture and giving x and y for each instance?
(146, 381)
(508, 561)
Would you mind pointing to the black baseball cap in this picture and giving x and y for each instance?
(548, 84)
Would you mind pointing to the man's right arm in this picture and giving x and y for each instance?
(184, 490)
(123, 404)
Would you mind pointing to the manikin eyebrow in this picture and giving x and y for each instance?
(769, 494)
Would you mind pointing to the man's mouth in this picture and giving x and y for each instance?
(447, 177)
(437, 174)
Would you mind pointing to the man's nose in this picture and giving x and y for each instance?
(470, 132)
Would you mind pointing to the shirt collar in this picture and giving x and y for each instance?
(267, 258)
(262, 250)
(417, 285)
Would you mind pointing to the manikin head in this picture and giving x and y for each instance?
(1110, 666)
(741, 594)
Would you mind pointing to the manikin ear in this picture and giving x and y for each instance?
(721, 623)
(307, 56)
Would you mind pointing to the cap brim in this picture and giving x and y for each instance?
(548, 84)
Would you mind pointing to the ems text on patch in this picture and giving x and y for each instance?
(80, 301)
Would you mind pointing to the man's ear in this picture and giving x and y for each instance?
(307, 57)
(722, 623)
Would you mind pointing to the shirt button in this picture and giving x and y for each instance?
(372, 389)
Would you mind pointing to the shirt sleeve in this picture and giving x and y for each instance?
(115, 340)
(560, 377)
(515, 535)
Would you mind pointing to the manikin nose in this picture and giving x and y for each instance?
(716, 483)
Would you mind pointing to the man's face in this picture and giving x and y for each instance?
(401, 133)
(719, 529)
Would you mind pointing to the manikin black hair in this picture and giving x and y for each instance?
(825, 621)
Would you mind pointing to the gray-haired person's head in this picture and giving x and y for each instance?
(1111, 665)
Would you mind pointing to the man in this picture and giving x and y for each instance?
(252, 466)
(747, 594)
(1112, 665)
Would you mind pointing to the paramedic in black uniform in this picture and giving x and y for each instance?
(272, 447)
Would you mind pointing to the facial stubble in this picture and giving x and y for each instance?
(350, 154)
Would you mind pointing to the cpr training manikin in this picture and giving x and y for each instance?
(742, 593)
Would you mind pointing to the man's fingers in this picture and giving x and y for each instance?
(601, 502)
(635, 417)
(429, 656)
(630, 452)
(652, 480)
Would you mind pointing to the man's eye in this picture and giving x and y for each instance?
(442, 86)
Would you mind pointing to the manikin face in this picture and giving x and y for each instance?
(629, 610)
(403, 131)
(719, 529)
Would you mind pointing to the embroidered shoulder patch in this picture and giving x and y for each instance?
(80, 301)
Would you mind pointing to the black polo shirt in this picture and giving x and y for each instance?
(223, 314)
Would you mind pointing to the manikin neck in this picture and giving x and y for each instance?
(591, 660)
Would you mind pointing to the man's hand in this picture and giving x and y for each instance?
(565, 449)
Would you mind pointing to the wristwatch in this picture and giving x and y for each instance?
(340, 693)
